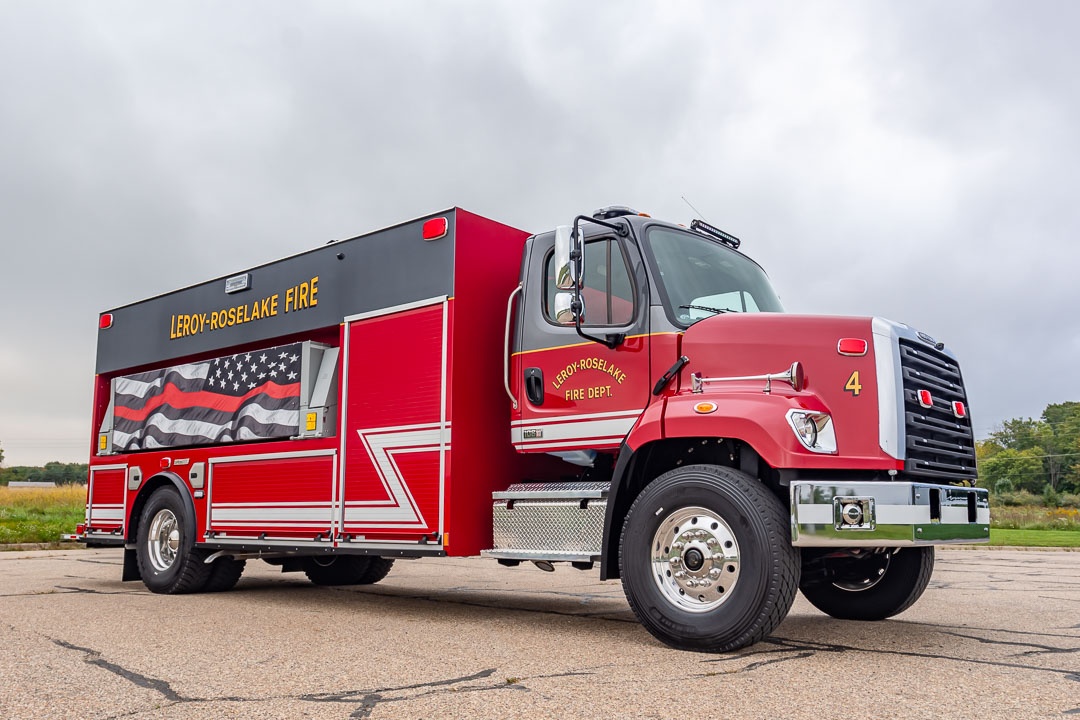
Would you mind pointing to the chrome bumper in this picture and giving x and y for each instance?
(886, 514)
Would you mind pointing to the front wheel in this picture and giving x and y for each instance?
(866, 584)
(706, 559)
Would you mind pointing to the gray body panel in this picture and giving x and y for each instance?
(382, 269)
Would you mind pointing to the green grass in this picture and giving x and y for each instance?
(1034, 538)
(40, 515)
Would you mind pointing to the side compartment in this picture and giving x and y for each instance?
(396, 440)
(106, 501)
(274, 496)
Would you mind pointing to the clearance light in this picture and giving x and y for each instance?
(435, 228)
(165, 463)
(105, 321)
(925, 399)
(705, 408)
(958, 409)
(853, 347)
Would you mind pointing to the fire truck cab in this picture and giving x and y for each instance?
(620, 393)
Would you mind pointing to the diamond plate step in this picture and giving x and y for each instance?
(550, 521)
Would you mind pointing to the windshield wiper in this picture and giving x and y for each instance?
(706, 308)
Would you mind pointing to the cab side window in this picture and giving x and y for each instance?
(607, 291)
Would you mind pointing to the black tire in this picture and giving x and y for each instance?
(337, 569)
(224, 574)
(378, 568)
(735, 533)
(168, 560)
(872, 587)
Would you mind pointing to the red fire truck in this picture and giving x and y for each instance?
(620, 393)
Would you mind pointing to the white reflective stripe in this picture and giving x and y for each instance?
(100, 513)
(221, 515)
(615, 428)
(572, 418)
(381, 447)
(239, 505)
(591, 442)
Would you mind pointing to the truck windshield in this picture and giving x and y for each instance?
(700, 277)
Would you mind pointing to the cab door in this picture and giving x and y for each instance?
(575, 394)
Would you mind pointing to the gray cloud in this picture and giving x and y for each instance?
(911, 160)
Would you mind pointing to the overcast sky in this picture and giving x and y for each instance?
(913, 160)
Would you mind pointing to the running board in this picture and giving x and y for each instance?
(549, 521)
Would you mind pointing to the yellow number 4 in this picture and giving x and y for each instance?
(853, 385)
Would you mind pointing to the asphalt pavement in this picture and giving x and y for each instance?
(997, 635)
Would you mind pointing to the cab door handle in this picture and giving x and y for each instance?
(534, 385)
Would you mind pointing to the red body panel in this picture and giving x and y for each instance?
(737, 345)
(593, 395)
(105, 498)
(396, 440)
(283, 497)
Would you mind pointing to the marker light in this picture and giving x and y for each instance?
(925, 399)
(704, 408)
(165, 463)
(105, 321)
(435, 228)
(853, 347)
(958, 409)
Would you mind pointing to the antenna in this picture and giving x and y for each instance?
(692, 207)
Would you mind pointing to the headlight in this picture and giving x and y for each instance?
(814, 430)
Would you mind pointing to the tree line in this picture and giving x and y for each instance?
(54, 472)
(1040, 456)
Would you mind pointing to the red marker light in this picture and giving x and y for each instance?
(854, 347)
(165, 463)
(925, 399)
(105, 321)
(435, 228)
(959, 410)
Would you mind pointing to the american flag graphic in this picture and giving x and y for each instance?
(248, 396)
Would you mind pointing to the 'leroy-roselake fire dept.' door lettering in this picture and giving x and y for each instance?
(591, 394)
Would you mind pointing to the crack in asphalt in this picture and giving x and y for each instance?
(93, 657)
(368, 699)
(1067, 673)
(1039, 649)
(69, 590)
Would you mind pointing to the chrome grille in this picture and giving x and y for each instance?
(939, 444)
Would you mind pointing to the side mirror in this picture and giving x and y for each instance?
(565, 271)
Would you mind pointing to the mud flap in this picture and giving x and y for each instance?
(131, 566)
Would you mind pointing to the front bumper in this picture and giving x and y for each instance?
(886, 514)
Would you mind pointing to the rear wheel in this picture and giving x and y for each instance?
(346, 569)
(168, 560)
(224, 574)
(868, 584)
(706, 559)
(378, 568)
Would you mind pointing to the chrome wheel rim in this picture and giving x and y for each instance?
(695, 559)
(163, 540)
(879, 567)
